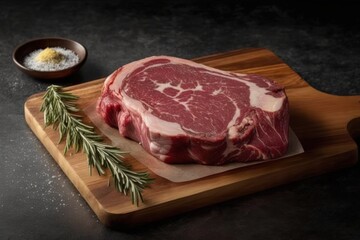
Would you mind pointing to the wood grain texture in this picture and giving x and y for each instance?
(324, 124)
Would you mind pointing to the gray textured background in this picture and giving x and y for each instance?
(320, 41)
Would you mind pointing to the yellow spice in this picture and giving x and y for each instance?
(49, 55)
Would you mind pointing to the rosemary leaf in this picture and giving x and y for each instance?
(60, 110)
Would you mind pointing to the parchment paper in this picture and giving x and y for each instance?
(175, 172)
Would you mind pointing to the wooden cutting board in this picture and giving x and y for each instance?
(324, 124)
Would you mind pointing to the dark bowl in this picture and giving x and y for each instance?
(25, 49)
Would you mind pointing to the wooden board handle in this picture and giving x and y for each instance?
(354, 129)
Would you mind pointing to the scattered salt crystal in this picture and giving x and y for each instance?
(69, 60)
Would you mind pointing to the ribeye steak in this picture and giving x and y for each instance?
(185, 112)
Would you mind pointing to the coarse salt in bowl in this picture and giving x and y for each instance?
(73, 52)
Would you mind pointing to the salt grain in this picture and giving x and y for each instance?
(70, 59)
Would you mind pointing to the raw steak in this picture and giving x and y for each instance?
(185, 112)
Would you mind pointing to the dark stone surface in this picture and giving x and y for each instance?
(319, 40)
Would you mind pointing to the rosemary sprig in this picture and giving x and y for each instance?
(60, 110)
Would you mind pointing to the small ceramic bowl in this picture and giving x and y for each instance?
(25, 49)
